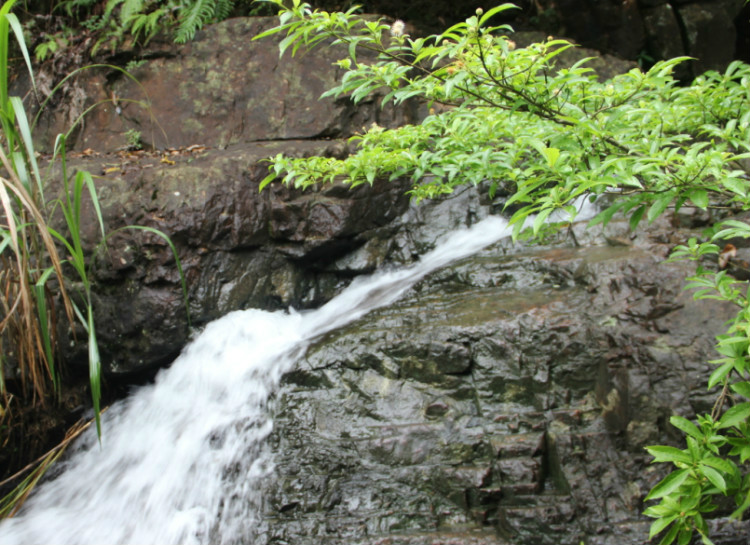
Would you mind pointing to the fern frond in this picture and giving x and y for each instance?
(131, 8)
(193, 18)
(110, 38)
(148, 24)
(110, 7)
(223, 9)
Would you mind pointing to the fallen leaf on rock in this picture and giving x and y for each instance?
(726, 254)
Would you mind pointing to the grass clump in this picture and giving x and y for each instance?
(44, 267)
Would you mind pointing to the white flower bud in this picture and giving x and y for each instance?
(397, 28)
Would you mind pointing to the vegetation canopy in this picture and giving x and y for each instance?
(543, 136)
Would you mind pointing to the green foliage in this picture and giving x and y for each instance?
(144, 26)
(544, 136)
(133, 138)
(52, 45)
(539, 128)
(199, 12)
(140, 19)
(25, 241)
(113, 23)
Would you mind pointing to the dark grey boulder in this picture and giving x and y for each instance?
(505, 399)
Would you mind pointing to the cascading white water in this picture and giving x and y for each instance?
(180, 459)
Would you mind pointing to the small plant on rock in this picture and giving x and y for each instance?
(133, 139)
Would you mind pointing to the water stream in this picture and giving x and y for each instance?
(181, 459)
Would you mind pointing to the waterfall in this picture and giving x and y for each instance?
(181, 459)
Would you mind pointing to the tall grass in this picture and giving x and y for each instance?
(28, 254)
(34, 290)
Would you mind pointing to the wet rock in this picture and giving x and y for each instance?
(663, 35)
(504, 399)
(709, 32)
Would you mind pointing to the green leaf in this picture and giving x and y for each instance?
(742, 507)
(663, 453)
(95, 369)
(735, 186)
(606, 215)
(540, 219)
(742, 388)
(635, 218)
(659, 206)
(699, 197)
(552, 155)
(659, 524)
(721, 464)
(686, 426)
(23, 126)
(494, 11)
(733, 228)
(714, 476)
(668, 484)
(735, 415)
(41, 304)
(83, 177)
(17, 28)
(720, 373)
(685, 535)
(671, 535)
(267, 180)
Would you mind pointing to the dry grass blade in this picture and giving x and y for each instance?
(12, 502)
(49, 245)
(29, 344)
(25, 339)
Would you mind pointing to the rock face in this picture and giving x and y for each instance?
(219, 90)
(506, 399)
(239, 248)
(710, 31)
